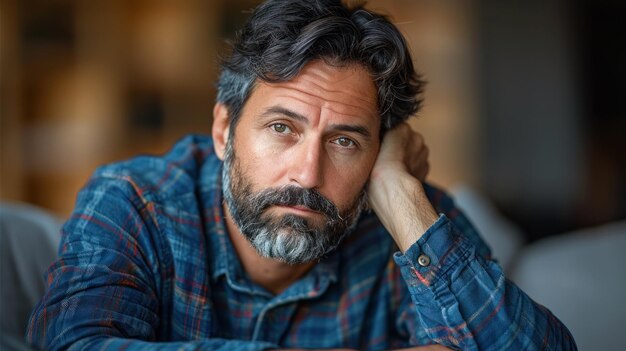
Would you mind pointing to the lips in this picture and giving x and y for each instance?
(303, 208)
(299, 208)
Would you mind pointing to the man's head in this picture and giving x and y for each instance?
(282, 36)
(309, 89)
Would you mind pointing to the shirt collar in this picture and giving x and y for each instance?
(222, 255)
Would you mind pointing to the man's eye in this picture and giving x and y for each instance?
(344, 142)
(280, 128)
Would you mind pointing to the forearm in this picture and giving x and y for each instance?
(401, 204)
(465, 301)
(461, 297)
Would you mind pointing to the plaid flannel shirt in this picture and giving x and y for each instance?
(146, 263)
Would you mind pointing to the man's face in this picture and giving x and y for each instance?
(302, 152)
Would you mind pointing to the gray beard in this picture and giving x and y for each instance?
(288, 238)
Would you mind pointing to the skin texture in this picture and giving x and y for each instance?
(395, 189)
(321, 130)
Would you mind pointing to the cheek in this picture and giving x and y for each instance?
(356, 171)
(262, 162)
(345, 187)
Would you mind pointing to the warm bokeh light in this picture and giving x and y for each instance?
(524, 107)
(508, 106)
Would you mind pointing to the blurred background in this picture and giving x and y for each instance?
(525, 102)
(525, 99)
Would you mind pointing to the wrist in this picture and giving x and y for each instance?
(389, 173)
(401, 204)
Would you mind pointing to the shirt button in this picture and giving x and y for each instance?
(423, 260)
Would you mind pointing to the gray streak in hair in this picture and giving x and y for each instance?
(282, 36)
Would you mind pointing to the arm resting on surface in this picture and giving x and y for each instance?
(103, 291)
(464, 301)
(461, 297)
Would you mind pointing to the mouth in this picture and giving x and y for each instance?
(299, 209)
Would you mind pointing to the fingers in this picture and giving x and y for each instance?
(417, 156)
(403, 146)
(419, 166)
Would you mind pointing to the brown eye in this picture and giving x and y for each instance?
(280, 128)
(344, 142)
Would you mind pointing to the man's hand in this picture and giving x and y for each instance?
(402, 150)
(395, 190)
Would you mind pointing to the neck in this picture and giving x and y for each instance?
(273, 275)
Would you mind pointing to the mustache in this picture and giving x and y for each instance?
(290, 195)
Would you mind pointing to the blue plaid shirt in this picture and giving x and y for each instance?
(146, 263)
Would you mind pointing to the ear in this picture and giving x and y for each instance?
(221, 129)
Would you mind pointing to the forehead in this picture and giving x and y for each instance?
(347, 90)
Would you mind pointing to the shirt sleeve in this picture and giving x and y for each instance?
(103, 290)
(463, 300)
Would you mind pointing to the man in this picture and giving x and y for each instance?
(274, 247)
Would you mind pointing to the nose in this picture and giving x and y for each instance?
(307, 167)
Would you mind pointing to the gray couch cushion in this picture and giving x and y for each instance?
(29, 238)
(581, 278)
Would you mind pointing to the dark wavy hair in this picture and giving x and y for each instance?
(282, 36)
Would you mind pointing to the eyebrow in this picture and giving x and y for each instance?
(352, 128)
(279, 110)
